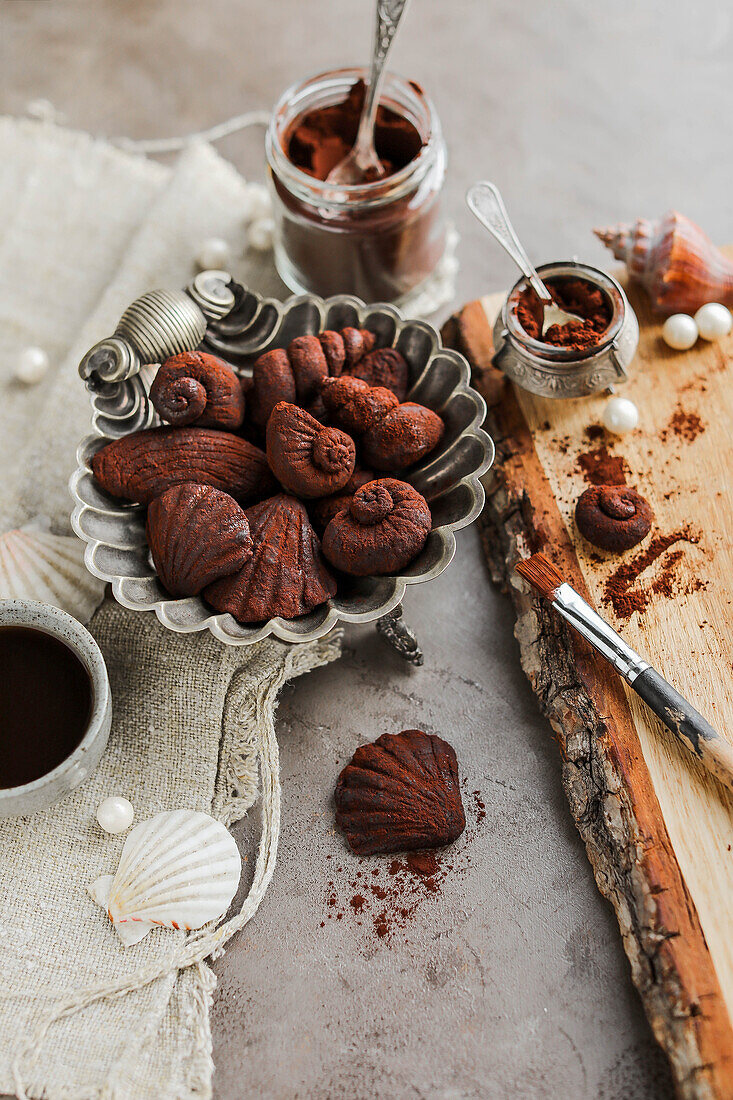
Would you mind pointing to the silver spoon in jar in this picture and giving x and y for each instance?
(485, 201)
(363, 159)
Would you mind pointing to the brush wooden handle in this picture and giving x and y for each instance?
(689, 727)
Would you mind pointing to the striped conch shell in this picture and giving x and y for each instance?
(179, 869)
(37, 565)
(673, 259)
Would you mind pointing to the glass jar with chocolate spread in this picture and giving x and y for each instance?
(380, 239)
(587, 356)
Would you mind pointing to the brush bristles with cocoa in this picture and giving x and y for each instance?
(541, 574)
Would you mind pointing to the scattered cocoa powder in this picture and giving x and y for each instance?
(601, 467)
(684, 425)
(621, 591)
(386, 894)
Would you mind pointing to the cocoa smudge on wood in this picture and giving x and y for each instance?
(620, 590)
(600, 467)
(684, 425)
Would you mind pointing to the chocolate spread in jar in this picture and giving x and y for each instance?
(378, 245)
(574, 295)
(320, 139)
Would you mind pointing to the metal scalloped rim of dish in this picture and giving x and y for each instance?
(114, 531)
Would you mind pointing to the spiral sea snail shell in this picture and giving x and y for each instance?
(674, 260)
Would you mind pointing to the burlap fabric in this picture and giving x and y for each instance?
(86, 229)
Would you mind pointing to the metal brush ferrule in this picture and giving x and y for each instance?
(597, 631)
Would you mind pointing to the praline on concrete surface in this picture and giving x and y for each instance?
(400, 793)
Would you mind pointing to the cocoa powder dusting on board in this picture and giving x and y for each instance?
(623, 593)
(683, 425)
(600, 467)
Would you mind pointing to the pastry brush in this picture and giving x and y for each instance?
(689, 727)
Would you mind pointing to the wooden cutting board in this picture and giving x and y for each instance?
(659, 830)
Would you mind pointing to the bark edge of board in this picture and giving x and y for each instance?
(606, 781)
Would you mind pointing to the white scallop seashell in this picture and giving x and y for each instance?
(179, 869)
(37, 565)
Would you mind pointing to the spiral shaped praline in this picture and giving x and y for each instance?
(384, 528)
(613, 517)
(197, 388)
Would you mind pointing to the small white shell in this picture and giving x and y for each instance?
(179, 869)
(36, 565)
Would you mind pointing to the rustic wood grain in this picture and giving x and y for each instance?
(658, 831)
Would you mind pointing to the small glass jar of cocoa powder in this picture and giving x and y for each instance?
(378, 240)
(580, 359)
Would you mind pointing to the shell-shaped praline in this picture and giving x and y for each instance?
(400, 793)
(404, 436)
(197, 535)
(285, 575)
(179, 869)
(385, 526)
(354, 405)
(385, 367)
(307, 458)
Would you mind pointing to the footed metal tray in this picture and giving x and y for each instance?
(238, 325)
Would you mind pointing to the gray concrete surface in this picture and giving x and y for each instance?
(510, 981)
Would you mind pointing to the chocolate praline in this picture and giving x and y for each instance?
(613, 517)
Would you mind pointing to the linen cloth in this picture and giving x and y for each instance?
(84, 230)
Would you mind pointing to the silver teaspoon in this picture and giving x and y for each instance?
(363, 159)
(485, 201)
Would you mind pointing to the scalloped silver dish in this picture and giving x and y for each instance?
(114, 531)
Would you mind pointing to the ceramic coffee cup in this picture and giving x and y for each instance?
(79, 765)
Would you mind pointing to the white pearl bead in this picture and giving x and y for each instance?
(214, 255)
(679, 331)
(31, 366)
(713, 321)
(257, 202)
(620, 415)
(115, 814)
(259, 235)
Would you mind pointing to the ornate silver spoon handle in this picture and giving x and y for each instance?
(485, 201)
(389, 14)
